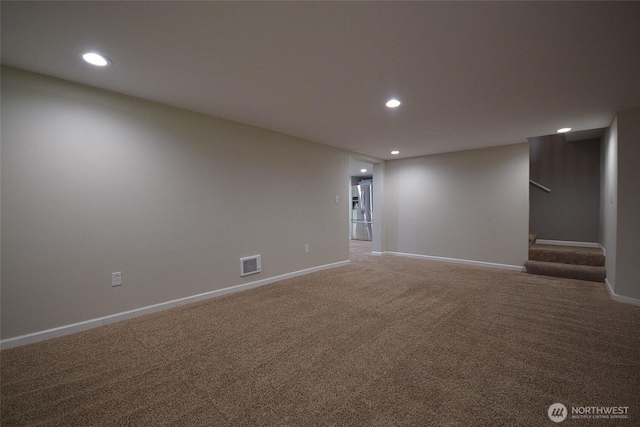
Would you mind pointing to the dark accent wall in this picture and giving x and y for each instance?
(571, 170)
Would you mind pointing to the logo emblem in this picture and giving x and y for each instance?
(557, 412)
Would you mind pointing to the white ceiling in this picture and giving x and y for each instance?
(469, 75)
(356, 165)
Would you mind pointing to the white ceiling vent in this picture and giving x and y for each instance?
(250, 265)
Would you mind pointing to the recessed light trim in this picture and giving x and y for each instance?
(563, 130)
(96, 59)
(395, 152)
(393, 103)
(363, 170)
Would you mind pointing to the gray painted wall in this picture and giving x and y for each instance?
(609, 199)
(471, 205)
(378, 206)
(571, 212)
(619, 229)
(94, 182)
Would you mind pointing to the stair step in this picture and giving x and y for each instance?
(569, 271)
(567, 254)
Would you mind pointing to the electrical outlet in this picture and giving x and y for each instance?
(306, 248)
(337, 199)
(116, 279)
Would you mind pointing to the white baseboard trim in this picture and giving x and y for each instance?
(457, 261)
(376, 253)
(620, 298)
(568, 243)
(113, 318)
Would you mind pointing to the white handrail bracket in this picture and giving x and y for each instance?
(542, 187)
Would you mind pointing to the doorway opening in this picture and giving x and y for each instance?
(361, 200)
(361, 216)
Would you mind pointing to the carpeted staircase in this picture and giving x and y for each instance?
(571, 262)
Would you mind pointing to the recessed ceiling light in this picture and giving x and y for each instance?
(95, 59)
(393, 103)
(564, 130)
(395, 152)
(363, 170)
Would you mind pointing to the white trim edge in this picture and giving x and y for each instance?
(456, 261)
(113, 318)
(620, 298)
(568, 243)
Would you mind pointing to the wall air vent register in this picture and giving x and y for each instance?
(250, 265)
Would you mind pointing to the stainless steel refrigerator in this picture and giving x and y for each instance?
(362, 210)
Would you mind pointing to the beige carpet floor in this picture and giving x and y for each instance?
(384, 341)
